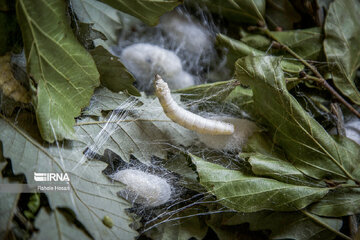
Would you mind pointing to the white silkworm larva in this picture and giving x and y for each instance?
(185, 118)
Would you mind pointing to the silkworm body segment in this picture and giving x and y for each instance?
(185, 118)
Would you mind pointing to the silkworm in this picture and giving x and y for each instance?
(143, 188)
(185, 118)
(9, 85)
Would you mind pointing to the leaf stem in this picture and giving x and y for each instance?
(293, 79)
(318, 221)
(319, 78)
(353, 226)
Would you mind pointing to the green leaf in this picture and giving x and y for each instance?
(261, 143)
(307, 43)
(102, 17)
(238, 49)
(54, 225)
(257, 41)
(113, 73)
(307, 144)
(33, 205)
(287, 225)
(105, 100)
(341, 44)
(86, 34)
(64, 73)
(240, 96)
(246, 193)
(148, 11)
(338, 203)
(280, 13)
(91, 196)
(238, 11)
(143, 130)
(280, 170)
(217, 91)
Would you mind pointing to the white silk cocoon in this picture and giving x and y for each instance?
(145, 60)
(144, 188)
(186, 32)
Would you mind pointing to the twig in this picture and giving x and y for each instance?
(321, 81)
(319, 78)
(353, 226)
(335, 108)
(315, 219)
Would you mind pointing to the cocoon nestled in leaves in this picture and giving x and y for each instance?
(145, 60)
(186, 32)
(143, 188)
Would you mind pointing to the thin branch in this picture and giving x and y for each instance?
(340, 125)
(353, 226)
(318, 221)
(319, 78)
(326, 85)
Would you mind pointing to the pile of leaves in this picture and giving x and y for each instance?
(296, 73)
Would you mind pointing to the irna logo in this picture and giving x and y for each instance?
(51, 177)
